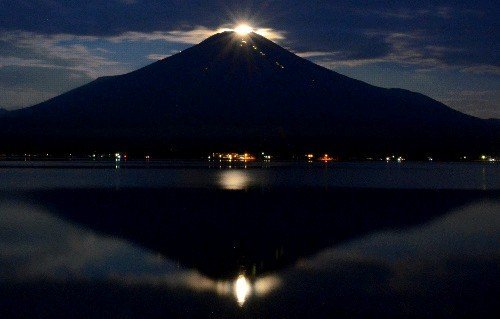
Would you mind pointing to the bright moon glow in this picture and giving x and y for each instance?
(243, 29)
(241, 289)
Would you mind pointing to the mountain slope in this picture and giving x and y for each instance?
(235, 92)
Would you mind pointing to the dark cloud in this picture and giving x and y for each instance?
(319, 26)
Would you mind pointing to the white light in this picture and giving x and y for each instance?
(242, 289)
(234, 180)
(265, 285)
(243, 29)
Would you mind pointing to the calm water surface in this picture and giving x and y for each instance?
(188, 239)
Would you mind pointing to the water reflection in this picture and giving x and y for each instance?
(77, 175)
(242, 289)
(222, 232)
(234, 179)
(35, 244)
(400, 271)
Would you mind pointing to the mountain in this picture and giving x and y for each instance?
(245, 230)
(233, 92)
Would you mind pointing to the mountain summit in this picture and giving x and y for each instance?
(242, 92)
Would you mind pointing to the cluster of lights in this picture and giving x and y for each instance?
(488, 158)
(267, 158)
(279, 65)
(244, 42)
(243, 30)
(245, 157)
(399, 159)
(37, 155)
(108, 155)
(239, 157)
(119, 156)
(323, 158)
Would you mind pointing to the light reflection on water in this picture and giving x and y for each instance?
(242, 289)
(423, 260)
(35, 244)
(360, 175)
(234, 179)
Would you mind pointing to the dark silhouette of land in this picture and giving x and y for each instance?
(223, 233)
(232, 92)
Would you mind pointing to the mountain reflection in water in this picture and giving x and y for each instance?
(241, 251)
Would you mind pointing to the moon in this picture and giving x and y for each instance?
(243, 29)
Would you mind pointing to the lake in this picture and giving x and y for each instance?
(257, 240)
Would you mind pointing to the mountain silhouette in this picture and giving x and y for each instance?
(233, 92)
(222, 233)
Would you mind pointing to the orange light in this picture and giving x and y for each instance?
(325, 158)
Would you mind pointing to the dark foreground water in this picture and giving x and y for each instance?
(172, 239)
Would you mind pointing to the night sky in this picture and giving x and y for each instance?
(445, 49)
